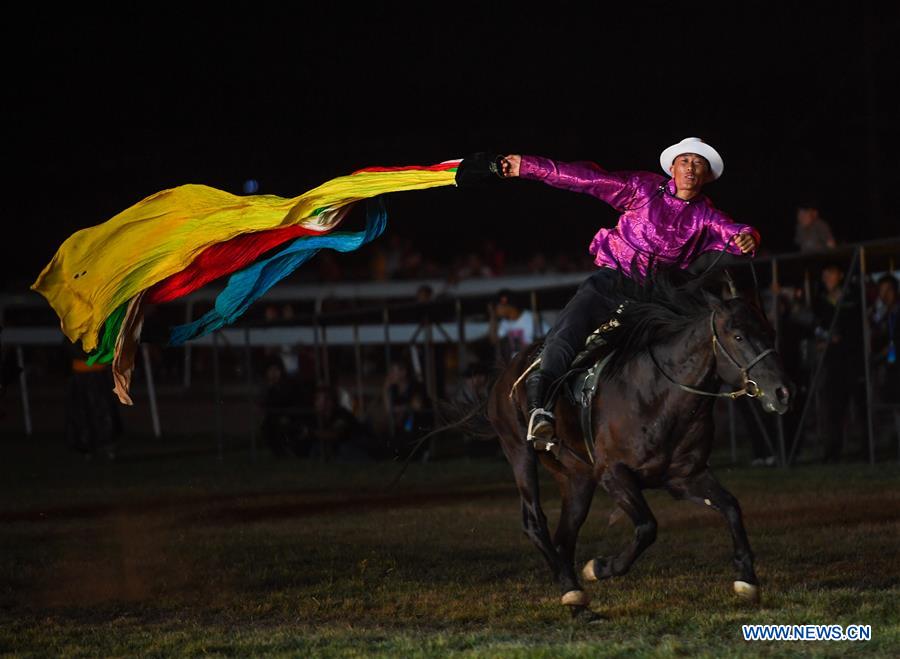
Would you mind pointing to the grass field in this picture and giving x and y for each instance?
(160, 555)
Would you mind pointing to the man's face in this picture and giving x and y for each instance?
(273, 374)
(806, 216)
(887, 293)
(832, 278)
(397, 373)
(324, 403)
(690, 171)
(505, 309)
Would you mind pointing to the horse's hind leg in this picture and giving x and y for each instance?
(705, 489)
(625, 489)
(534, 522)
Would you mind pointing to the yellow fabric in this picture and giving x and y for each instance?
(99, 268)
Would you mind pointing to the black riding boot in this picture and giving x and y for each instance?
(541, 431)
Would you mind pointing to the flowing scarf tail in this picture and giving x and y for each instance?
(99, 270)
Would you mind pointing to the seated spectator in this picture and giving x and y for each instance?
(424, 294)
(885, 337)
(511, 327)
(494, 257)
(416, 418)
(412, 265)
(281, 409)
(397, 392)
(473, 267)
(813, 233)
(336, 432)
(475, 380)
(537, 264)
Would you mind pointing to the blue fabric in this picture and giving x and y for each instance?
(248, 285)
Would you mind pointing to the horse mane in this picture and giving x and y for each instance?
(656, 308)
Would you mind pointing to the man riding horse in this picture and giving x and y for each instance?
(650, 404)
(665, 222)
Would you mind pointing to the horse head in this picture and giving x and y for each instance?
(744, 346)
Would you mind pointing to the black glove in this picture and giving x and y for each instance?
(478, 169)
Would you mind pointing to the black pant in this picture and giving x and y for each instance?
(592, 305)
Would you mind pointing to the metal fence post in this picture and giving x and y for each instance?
(461, 337)
(326, 370)
(776, 323)
(248, 364)
(23, 385)
(188, 316)
(535, 316)
(151, 390)
(867, 350)
(217, 392)
(387, 367)
(357, 358)
(317, 357)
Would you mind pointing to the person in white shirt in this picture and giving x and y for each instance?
(512, 329)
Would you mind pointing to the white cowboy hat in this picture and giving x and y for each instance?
(693, 145)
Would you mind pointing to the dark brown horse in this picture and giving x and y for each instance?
(652, 425)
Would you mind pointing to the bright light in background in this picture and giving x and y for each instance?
(251, 185)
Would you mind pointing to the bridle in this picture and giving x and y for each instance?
(750, 388)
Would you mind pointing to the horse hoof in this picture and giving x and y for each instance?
(587, 572)
(576, 598)
(584, 615)
(746, 591)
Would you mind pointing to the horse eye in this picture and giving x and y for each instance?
(738, 337)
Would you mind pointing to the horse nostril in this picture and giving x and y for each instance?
(783, 394)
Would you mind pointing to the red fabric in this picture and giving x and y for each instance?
(441, 167)
(223, 259)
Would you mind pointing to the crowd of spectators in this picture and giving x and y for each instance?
(825, 329)
(399, 258)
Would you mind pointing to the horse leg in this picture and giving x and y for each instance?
(577, 496)
(625, 489)
(534, 523)
(705, 489)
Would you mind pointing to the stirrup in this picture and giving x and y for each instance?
(549, 444)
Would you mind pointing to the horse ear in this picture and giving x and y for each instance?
(714, 302)
(732, 289)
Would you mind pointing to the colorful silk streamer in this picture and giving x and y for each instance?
(98, 270)
(214, 262)
(242, 290)
(251, 283)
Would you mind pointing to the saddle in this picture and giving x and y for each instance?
(583, 377)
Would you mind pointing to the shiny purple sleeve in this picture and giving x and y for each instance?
(720, 228)
(615, 188)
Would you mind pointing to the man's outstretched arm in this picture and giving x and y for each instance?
(615, 188)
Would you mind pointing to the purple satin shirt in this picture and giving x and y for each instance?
(654, 222)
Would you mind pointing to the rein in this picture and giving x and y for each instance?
(750, 388)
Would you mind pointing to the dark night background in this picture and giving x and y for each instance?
(103, 110)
